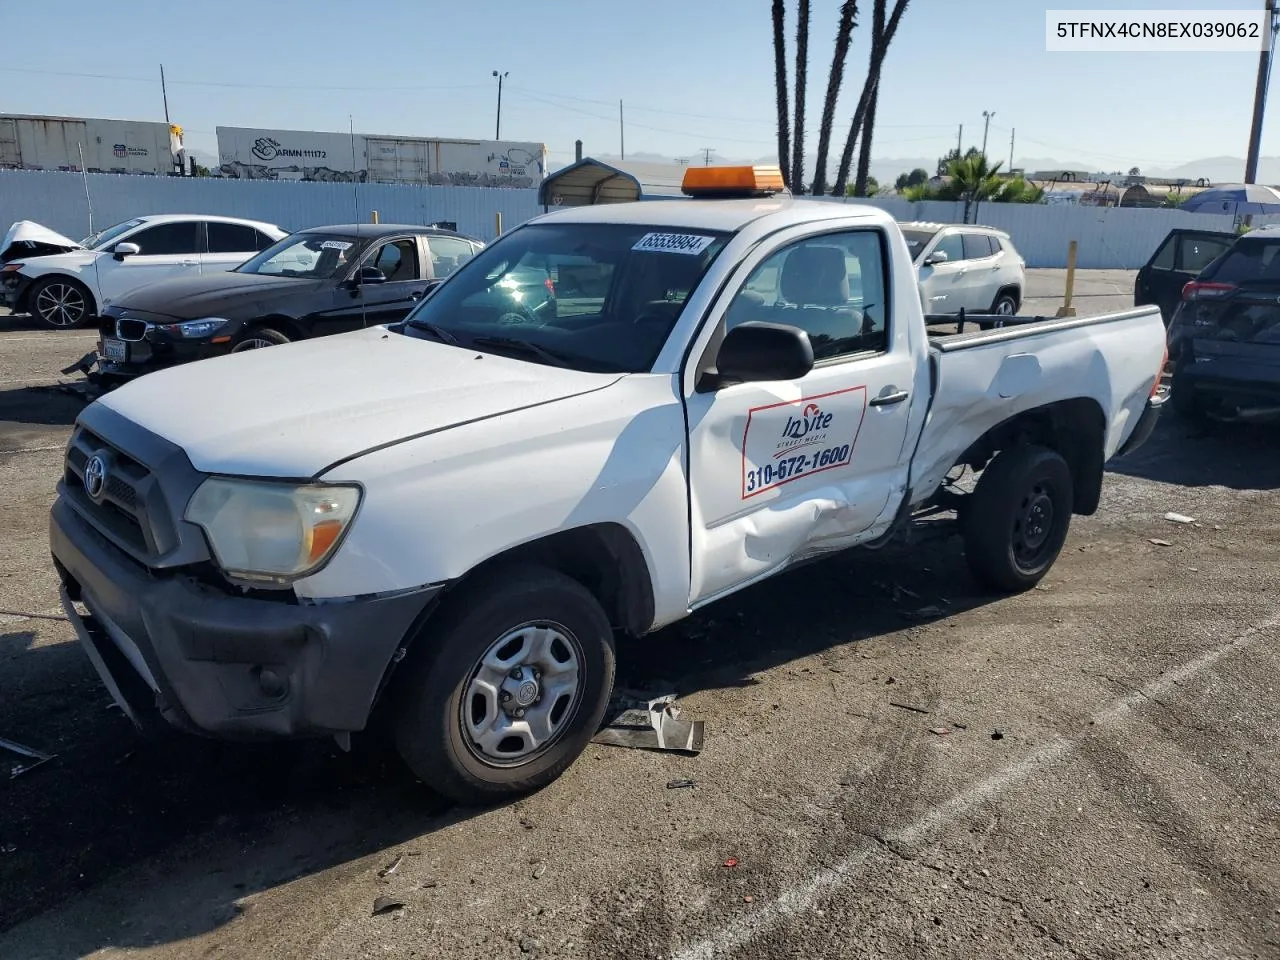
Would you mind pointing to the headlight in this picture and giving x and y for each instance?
(271, 532)
(195, 329)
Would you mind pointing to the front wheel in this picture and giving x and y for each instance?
(259, 338)
(507, 686)
(1016, 520)
(61, 303)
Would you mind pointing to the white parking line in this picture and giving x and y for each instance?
(806, 896)
(60, 446)
(49, 380)
(61, 337)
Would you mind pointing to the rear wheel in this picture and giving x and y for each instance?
(507, 687)
(1016, 519)
(259, 338)
(61, 303)
(1006, 305)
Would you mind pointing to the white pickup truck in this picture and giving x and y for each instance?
(457, 517)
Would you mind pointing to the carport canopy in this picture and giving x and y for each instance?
(588, 182)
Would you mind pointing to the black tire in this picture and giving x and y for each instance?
(258, 337)
(428, 693)
(1009, 300)
(1017, 518)
(61, 303)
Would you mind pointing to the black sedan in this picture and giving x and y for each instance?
(320, 281)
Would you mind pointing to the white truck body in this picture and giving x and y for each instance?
(108, 146)
(465, 456)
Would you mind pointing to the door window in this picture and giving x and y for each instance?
(952, 246)
(231, 238)
(1198, 252)
(169, 239)
(832, 287)
(448, 254)
(398, 260)
(262, 241)
(1163, 260)
(977, 246)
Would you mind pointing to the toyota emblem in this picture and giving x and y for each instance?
(95, 477)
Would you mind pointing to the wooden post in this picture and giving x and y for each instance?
(375, 217)
(1067, 310)
(497, 224)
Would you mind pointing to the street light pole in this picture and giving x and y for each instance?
(987, 115)
(497, 127)
(1260, 96)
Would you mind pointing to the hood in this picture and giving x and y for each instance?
(29, 239)
(293, 410)
(213, 294)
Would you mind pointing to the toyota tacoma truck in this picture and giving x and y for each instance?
(451, 521)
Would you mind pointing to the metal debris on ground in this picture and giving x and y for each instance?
(941, 731)
(1179, 518)
(35, 756)
(931, 612)
(391, 868)
(1160, 543)
(907, 706)
(681, 784)
(650, 724)
(386, 905)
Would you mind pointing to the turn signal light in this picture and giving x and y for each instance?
(754, 181)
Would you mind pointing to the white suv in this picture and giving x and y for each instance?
(962, 267)
(65, 284)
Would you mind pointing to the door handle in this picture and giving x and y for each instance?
(417, 295)
(889, 398)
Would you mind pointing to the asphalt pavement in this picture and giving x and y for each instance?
(896, 764)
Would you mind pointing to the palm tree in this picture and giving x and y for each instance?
(974, 179)
(879, 48)
(780, 79)
(802, 76)
(844, 34)
(1019, 190)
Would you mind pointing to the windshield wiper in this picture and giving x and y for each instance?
(522, 346)
(441, 334)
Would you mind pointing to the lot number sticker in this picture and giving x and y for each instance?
(687, 243)
(336, 245)
(786, 441)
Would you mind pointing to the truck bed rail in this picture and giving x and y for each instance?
(974, 329)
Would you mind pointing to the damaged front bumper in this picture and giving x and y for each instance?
(221, 664)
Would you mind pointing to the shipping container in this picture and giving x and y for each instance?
(107, 146)
(314, 155)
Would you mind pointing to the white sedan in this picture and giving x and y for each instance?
(65, 283)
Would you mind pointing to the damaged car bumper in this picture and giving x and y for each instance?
(218, 663)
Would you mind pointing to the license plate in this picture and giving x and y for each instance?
(116, 350)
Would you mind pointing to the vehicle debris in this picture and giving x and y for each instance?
(731, 862)
(386, 905)
(18, 769)
(1160, 543)
(907, 706)
(931, 612)
(650, 724)
(1179, 518)
(941, 731)
(681, 784)
(391, 868)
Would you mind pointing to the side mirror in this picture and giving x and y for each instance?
(938, 256)
(370, 275)
(757, 352)
(122, 250)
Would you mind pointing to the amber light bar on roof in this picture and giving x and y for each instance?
(756, 181)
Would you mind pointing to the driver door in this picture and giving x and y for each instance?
(168, 250)
(943, 286)
(782, 470)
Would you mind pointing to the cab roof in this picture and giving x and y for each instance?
(726, 216)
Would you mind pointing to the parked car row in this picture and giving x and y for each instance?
(1219, 294)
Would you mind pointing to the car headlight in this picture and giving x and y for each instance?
(271, 532)
(195, 329)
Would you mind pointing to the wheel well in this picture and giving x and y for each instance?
(605, 558)
(1012, 289)
(282, 324)
(1074, 428)
(24, 304)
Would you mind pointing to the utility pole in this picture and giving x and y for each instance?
(497, 129)
(164, 93)
(706, 156)
(960, 142)
(1260, 95)
(622, 134)
(986, 123)
(1011, 133)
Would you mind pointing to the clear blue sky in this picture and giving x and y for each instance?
(692, 73)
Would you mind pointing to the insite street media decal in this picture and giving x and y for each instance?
(786, 441)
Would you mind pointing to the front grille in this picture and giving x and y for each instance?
(127, 328)
(121, 508)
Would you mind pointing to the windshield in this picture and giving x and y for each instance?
(1249, 261)
(598, 297)
(306, 256)
(917, 240)
(104, 237)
